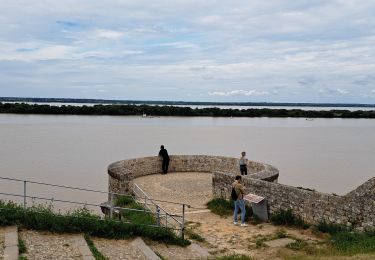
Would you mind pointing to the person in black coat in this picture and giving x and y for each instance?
(164, 154)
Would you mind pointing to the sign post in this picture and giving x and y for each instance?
(259, 206)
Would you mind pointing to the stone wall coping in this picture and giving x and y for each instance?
(257, 170)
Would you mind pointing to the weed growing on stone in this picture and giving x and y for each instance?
(21, 246)
(95, 252)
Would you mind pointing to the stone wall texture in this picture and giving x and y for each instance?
(357, 208)
(122, 173)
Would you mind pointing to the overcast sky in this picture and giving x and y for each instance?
(204, 50)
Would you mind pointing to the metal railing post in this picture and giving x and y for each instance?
(145, 202)
(111, 206)
(24, 194)
(183, 222)
(157, 215)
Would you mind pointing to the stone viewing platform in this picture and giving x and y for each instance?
(356, 209)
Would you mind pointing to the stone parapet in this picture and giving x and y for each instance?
(122, 173)
(356, 209)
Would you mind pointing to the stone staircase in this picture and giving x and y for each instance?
(46, 245)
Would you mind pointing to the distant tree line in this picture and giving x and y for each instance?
(22, 108)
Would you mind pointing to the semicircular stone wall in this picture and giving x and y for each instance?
(122, 173)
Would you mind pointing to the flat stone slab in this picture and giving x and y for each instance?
(200, 250)
(282, 242)
(11, 243)
(11, 253)
(146, 250)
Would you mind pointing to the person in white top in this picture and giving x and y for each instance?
(243, 164)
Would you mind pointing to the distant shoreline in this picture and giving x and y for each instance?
(169, 110)
(155, 102)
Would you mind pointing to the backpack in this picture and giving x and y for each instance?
(233, 194)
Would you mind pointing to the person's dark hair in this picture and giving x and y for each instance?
(238, 177)
(162, 147)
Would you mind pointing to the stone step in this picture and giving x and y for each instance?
(121, 249)
(10, 243)
(194, 251)
(46, 245)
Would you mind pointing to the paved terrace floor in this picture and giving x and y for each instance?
(193, 188)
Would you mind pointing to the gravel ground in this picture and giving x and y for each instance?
(44, 245)
(1, 244)
(118, 249)
(193, 188)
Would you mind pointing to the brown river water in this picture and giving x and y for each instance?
(328, 155)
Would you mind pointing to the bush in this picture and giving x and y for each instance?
(332, 229)
(224, 207)
(286, 217)
(80, 221)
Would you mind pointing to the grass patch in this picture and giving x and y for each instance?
(136, 217)
(281, 233)
(350, 243)
(329, 228)
(192, 235)
(22, 257)
(286, 217)
(21, 246)
(222, 207)
(43, 217)
(298, 245)
(234, 257)
(95, 252)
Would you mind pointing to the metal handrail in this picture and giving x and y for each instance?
(110, 206)
(83, 189)
(181, 223)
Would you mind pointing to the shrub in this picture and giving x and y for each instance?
(286, 217)
(325, 227)
(224, 207)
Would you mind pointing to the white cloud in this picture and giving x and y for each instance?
(238, 92)
(342, 91)
(109, 34)
(204, 46)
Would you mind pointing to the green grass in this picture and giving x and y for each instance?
(22, 257)
(329, 228)
(21, 246)
(95, 252)
(298, 245)
(286, 217)
(43, 217)
(192, 235)
(349, 243)
(234, 257)
(136, 217)
(222, 207)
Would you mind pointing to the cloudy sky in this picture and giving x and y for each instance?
(190, 50)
